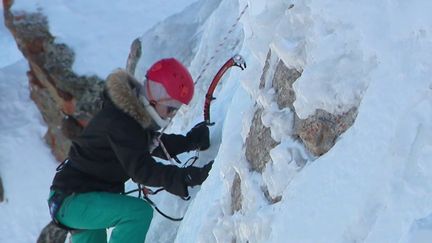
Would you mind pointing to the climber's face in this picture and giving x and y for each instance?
(167, 111)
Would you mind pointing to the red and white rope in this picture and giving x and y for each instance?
(221, 44)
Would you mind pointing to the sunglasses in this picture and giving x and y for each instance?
(171, 109)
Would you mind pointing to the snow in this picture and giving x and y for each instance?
(10, 53)
(26, 164)
(374, 185)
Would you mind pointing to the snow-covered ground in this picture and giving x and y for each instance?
(375, 185)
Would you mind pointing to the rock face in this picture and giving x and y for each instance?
(236, 194)
(318, 132)
(59, 93)
(1, 191)
(134, 56)
(283, 80)
(52, 234)
(259, 143)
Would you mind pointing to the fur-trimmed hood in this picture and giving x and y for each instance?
(123, 90)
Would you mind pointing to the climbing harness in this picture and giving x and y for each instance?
(144, 192)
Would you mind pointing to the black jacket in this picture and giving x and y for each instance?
(116, 145)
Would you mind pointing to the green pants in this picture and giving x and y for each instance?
(94, 212)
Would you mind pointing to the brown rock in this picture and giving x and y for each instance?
(259, 143)
(69, 106)
(134, 56)
(55, 88)
(58, 142)
(265, 70)
(33, 81)
(35, 46)
(7, 4)
(236, 195)
(71, 127)
(320, 131)
(283, 80)
(51, 233)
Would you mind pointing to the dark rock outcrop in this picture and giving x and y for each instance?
(283, 80)
(320, 131)
(52, 234)
(236, 195)
(54, 87)
(1, 190)
(134, 56)
(259, 143)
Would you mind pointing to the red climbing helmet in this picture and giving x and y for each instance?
(174, 77)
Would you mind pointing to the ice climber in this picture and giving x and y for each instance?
(118, 144)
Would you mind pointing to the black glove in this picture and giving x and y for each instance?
(190, 176)
(195, 175)
(198, 137)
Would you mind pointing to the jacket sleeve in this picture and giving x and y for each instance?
(174, 144)
(130, 143)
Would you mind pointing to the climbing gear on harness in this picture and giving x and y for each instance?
(143, 193)
(54, 203)
(62, 165)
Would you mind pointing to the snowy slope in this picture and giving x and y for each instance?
(26, 164)
(373, 186)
